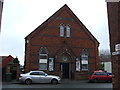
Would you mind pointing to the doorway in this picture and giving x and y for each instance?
(65, 69)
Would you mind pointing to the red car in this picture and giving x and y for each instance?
(100, 76)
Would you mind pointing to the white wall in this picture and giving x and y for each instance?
(108, 66)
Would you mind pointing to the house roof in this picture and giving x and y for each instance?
(6, 60)
(65, 7)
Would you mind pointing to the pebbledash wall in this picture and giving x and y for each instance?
(62, 46)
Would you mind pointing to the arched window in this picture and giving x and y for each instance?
(62, 30)
(67, 31)
(43, 57)
(84, 59)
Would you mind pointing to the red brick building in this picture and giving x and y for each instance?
(9, 65)
(62, 46)
(113, 7)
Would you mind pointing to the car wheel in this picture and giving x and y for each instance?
(90, 81)
(28, 81)
(54, 81)
(110, 81)
(95, 80)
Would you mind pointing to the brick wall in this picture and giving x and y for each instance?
(48, 35)
(114, 32)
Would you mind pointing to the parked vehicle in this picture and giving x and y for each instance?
(109, 73)
(39, 77)
(100, 76)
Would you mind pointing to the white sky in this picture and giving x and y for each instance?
(20, 17)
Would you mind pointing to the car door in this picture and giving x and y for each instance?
(97, 76)
(105, 76)
(35, 76)
(44, 78)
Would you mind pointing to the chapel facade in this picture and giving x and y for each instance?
(62, 46)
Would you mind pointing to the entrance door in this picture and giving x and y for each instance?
(65, 70)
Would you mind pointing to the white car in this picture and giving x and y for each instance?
(39, 77)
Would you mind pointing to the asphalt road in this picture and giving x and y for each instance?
(64, 84)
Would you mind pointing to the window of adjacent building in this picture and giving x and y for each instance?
(43, 59)
(62, 30)
(67, 31)
(51, 64)
(84, 60)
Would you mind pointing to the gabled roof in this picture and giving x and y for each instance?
(65, 7)
(6, 60)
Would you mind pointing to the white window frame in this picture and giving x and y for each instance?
(84, 60)
(67, 31)
(85, 68)
(43, 61)
(61, 30)
(41, 68)
(77, 64)
(51, 64)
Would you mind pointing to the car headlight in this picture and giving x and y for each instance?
(59, 78)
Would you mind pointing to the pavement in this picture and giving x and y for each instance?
(63, 81)
(64, 84)
(10, 82)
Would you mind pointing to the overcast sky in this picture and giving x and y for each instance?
(20, 17)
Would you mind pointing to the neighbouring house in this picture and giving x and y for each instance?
(22, 71)
(62, 46)
(10, 67)
(106, 64)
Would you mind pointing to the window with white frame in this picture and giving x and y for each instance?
(62, 30)
(51, 64)
(43, 54)
(67, 31)
(77, 64)
(84, 60)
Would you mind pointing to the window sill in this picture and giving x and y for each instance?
(85, 70)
